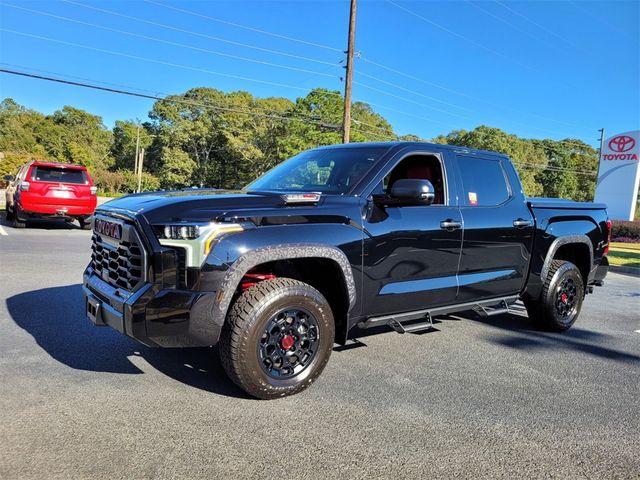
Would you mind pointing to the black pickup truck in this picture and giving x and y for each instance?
(339, 237)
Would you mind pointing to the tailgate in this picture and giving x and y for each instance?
(58, 186)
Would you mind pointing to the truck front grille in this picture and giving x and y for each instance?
(119, 263)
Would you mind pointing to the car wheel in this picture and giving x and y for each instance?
(277, 338)
(17, 222)
(8, 213)
(85, 223)
(562, 294)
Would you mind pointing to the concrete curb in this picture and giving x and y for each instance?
(628, 270)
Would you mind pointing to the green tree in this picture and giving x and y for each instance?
(125, 135)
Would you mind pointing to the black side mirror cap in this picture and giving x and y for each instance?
(8, 178)
(408, 191)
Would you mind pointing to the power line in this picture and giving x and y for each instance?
(244, 112)
(159, 62)
(465, 117)
(459, 35)
(463, 94)
(602, 21)
(246, 27)
(199, 34)
(542, 27)
(155, 93)
(400, 87)
(159, 98)
(168, 42)
(557, 169)
(289, 55)
(506, 22)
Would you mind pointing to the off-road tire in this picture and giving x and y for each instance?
(244, 326)
(543, 312)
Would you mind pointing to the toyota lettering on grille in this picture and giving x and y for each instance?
(109, 229)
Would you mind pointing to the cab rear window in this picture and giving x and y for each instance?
(59, 175)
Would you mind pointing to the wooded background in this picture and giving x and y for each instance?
(205, 137)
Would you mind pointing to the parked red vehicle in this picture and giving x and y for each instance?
(45, 190)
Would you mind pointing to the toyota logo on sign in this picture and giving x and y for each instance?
(621, 143)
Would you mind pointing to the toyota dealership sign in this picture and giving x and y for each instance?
(619, 175)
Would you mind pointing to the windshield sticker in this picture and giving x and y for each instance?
(473, 198)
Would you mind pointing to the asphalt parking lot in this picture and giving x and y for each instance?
(473, 399)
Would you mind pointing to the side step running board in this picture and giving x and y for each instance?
(406, 322)
(413, 327)
(485, 312)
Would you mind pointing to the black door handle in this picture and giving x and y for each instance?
(450, 224)
(521, 223)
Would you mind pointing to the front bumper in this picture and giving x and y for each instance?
(153, 316)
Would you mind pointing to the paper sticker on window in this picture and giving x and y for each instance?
(473, 198)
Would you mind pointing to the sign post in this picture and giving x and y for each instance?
(619, 175)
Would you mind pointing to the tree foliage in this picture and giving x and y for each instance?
(206, 137)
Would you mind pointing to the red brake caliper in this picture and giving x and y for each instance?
(287, 342)
(564, 298)
(252, 279)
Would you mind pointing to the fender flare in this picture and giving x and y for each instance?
(247, 261)
(564, 240)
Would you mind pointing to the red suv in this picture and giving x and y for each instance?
(42, 189)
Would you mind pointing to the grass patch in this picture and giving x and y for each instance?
(624, 254)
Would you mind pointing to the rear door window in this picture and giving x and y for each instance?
(484, 182)
(59, 175)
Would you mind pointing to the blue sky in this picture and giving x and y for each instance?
(535, 68)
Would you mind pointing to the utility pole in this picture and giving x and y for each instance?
(139, 173)
(346, 121)
(135, 162)
(600, 153)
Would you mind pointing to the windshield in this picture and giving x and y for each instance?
(333, 170)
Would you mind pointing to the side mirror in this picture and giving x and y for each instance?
(412, 191)
(8, 178)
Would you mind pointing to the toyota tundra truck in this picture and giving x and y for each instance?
(335, 239)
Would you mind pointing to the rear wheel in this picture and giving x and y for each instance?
(85, 223)
(562, 294)
(277, 338)
(17, 222)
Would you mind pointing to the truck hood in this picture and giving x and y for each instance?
(196, 205)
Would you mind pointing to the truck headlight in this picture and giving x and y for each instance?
(195, 239)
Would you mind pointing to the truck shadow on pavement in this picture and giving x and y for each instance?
(525, 337)
(55, 318)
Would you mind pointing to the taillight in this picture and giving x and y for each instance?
(24, 186)
(93, 189)
(609, 228)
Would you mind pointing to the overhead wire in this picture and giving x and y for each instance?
(198, 34)
(246, 27)
(161, 98)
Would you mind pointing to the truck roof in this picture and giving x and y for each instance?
(399, 144)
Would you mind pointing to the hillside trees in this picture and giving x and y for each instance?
(206, 137)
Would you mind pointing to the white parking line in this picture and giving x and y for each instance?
(2, 231)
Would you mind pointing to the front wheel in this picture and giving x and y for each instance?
(277, 338)
(8, 212)
(559, 305)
